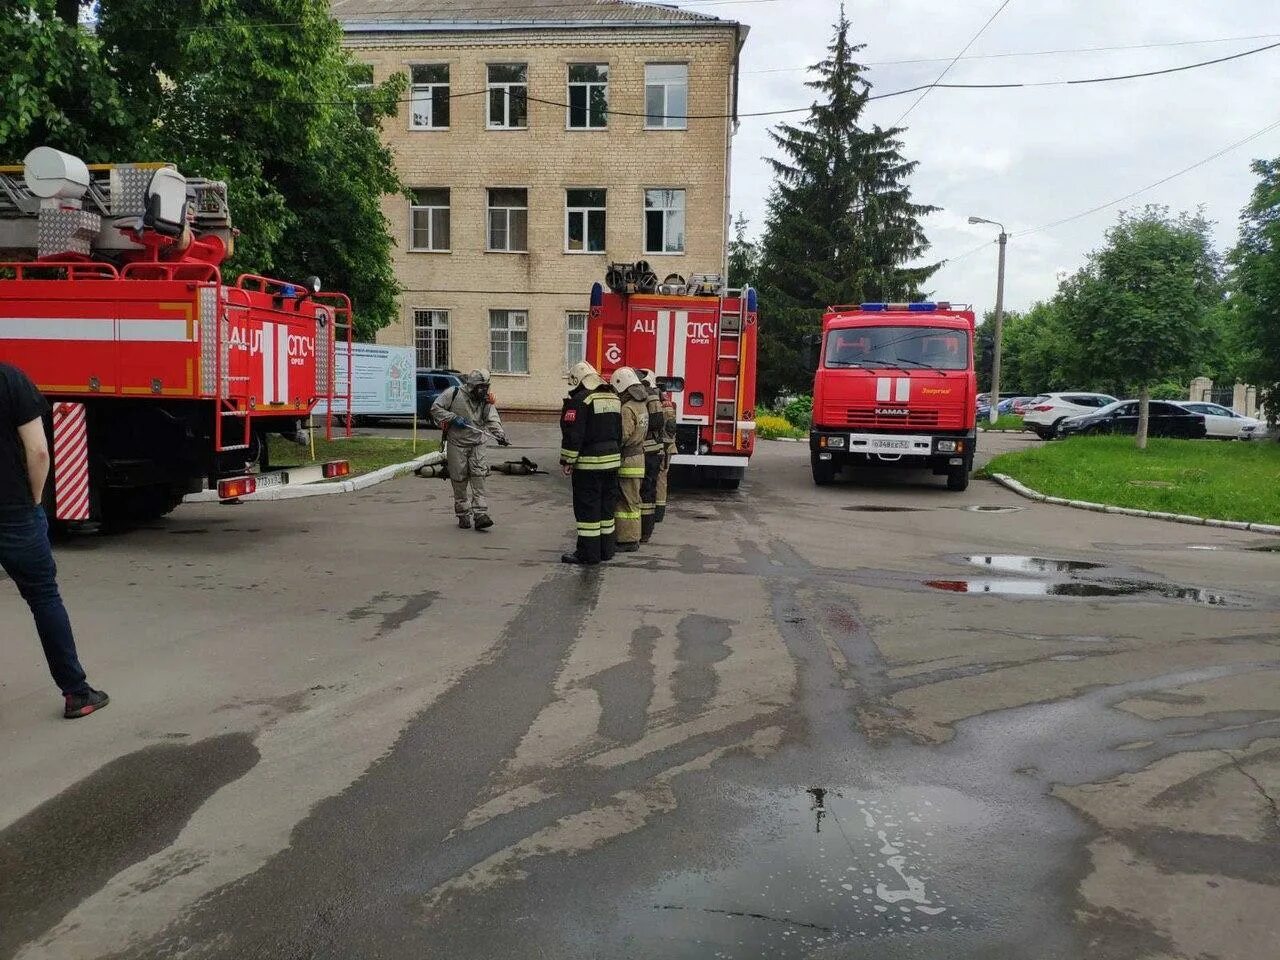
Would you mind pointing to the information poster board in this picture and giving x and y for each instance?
(383, 381)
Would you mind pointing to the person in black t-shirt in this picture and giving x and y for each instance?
(25, 553)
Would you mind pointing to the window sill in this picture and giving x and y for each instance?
(683, 129)
(497, 373)
(425, 250)
(430, 129)
(586, 253)
(507, 129)
(510, 253)
(658, 253)
(572, 129)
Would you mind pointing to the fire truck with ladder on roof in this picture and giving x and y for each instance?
(163, 378)
(700, 340)
(895, 387)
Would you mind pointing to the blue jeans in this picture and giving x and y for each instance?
(27, 558)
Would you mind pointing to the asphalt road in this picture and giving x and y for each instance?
(859, 721)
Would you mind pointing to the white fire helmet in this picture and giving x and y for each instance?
(479, 378)
(649, 377)
(623, 379)
(584, 373)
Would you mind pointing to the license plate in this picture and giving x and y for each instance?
(890, 446)
(268, 481)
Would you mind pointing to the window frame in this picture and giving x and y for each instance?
(506, 86)
(430, 87)
(569, 332)
(585, 212)
(684, 212)
(415, 208)
(494, 367)
(667, 121)
(589, 85)
(447, 327)
(488, 221)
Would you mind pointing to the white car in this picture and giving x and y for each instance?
(1050, 409)
(1223, 423)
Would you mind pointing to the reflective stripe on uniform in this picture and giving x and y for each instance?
(626, 515)
(570, 455)
(631, 473)
(646, 508)
(604, 458)
(608, 527)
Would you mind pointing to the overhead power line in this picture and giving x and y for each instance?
(947, 69)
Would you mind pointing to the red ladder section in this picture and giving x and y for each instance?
(725, 415)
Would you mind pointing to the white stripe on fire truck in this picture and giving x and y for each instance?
(682, 342)
(71, 462)
(57, 328)
(282, 363)
(155, 331)
(662, 360)
(268, 367)
(903, 390)
(883, 388)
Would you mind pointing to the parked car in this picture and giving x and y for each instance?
(1023, 404)
(1010, 405)
(1044, 417)
(432, 383)
(1166, 420)
(1223, 423)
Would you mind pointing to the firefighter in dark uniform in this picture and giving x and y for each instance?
(653, 446)
(668, 451)
(590, 453)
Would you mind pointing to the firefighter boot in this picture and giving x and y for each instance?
(464, 522)
(646, 527)
(483, 522)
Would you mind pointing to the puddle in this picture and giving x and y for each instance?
(875, 508)
(1015, 564)
(1084, 589)
(985, 509)
(1267, 548)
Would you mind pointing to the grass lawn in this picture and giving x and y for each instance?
(1007, 421)
(1203, 478)
(366, 454)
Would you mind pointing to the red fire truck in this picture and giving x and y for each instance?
(895, 387)
(700, 341)
(162, 376)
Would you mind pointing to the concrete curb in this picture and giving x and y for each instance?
(1024, 491)
(362, 482)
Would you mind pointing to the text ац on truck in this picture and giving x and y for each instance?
(162, 377)
(895, 388)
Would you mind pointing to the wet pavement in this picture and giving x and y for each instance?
(854, 721)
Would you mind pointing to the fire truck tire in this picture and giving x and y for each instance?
(958, 478)
(824, 471)
(125, 508)
(730, 483)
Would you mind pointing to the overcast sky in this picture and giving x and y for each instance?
(1029, 157)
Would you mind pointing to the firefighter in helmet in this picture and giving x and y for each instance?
(468, 417)
(590, 453)
(652, 455)
(635, 426)
(668, 451)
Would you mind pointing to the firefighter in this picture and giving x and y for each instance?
(668, 451)
(635, 425)
(590, 453)
(653, 446)
(467, 416)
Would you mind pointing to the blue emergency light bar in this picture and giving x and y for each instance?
(909, 307)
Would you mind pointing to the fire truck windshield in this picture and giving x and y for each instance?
(932, 348)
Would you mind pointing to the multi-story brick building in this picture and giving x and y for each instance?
(542, 141)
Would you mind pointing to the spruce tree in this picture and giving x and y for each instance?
(841, 225)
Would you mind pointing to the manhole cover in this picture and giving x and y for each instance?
(873, 508)
(986, 509)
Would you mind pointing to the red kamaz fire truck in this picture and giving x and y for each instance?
(895, 387)
(700, 341)
(162, 376)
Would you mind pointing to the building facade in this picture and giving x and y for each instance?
(542, 142)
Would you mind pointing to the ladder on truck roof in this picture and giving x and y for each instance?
(725, 413)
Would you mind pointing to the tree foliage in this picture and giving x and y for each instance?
(841, 224)
(1136, 312)
(744, 256)
(259, 93)
(1256, 287)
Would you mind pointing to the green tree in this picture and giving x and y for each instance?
(1255, 302)
(841, 226)
(259, 93)
(1136, 312)
(744, 256)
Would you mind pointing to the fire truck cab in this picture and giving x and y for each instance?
(700, 341)
(163, 378)
(895, 387)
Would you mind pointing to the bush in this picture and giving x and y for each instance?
(799, 412)
(1170, 390)
(771, 426)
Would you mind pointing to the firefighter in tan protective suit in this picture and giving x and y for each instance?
(635, 426)
(468, 418)
(652, 456)
(668, 451)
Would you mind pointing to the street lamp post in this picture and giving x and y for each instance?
(999, 335)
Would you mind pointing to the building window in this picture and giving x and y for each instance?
(585, 221)
(508, 221)
(588, 96)
(575, 338)
(508, 96)
(509, 341)
(429, 104)
(429, 220)
(362, 83)
(664, 221)
(666, 96)
(431, 338)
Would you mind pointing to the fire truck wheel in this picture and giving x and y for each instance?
(958, 478)
(126, 508)
(824, 471)
(729, 483)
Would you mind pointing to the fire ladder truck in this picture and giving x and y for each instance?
(163, 378)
